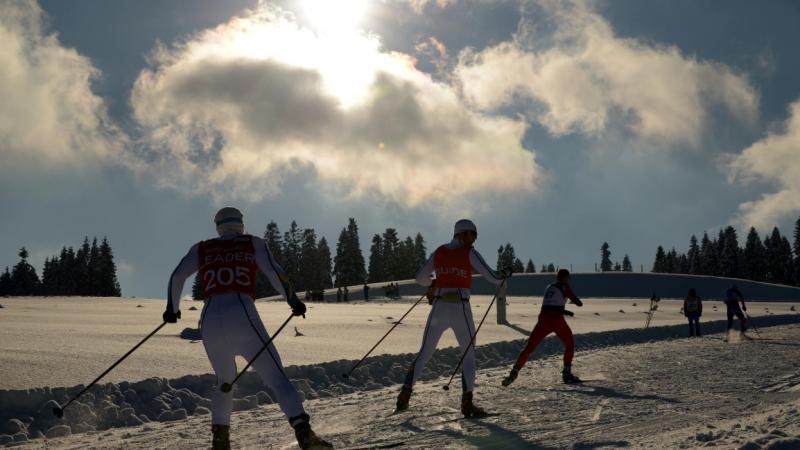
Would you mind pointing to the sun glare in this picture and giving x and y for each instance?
(335, 16)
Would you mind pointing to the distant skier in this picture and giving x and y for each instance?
(453, 264)
(231, 326)
(693, 309)
(551, 320)
(732, 298)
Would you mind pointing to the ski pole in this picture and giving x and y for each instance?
(752, 324)
(226, 387)
(472, 341)
(347, 375)
(59, 412)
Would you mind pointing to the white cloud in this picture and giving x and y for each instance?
(774, 159)
(419, 5)
(234, 109)
(582, 78)
(48, 112)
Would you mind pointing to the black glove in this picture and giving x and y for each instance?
(577, 301)
(298, 307)
(171, 317)
(507, 272)
(568, 313)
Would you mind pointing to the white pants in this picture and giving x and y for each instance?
(231, 326)
(444, 315)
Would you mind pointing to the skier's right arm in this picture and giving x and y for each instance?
(187, 266)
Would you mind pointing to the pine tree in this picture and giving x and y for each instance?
(348, 265)
(708, 256)
(729, 253)
(420, 252)
(82, 268)
(376, 272)
(24, 280)
(605, 258)
(530, 267)
(391, 254)
(626, 264)
(274, 242)
(408, 259)
(505, 256)
(308, 273)
(107, 270)
(551, 268)
(6, 287)
(693, 256)
(518, 267)
(786, 261)
(544, 269)
(324, 264)
(753, 257)
(673, 262)
(660, 264)
(292, 241)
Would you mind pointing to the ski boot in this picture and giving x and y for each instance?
(511, 376)
(403, 398)
(469, 409)
(307, 439)
(220, 437)
(568, 377)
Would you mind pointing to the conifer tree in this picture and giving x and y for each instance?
(605, 258)
(324, 264)
(376, 272)
(530, 267)
(82, 268)
(6, 286)
(551, 268)
(660, 264)
(408, 259)
(505, 256)
(109, 285)
(94, 269)
(518, 267)
(753, 257)
(420, 252)
(693, 257)
(729, 253)
(626, 264)
(348, 265)
(544, 269)
(292, 241)
(617, 267)
(797, 252)
(708, 256)
(391, 254)
(24, 280)
(308, 273)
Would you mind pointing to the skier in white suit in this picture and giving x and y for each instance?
(453, 264)
(231, 326)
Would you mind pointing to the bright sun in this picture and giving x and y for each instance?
(335, 16)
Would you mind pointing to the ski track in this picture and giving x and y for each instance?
(672, 393)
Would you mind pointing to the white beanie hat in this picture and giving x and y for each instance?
(229, 219)
(464, 225)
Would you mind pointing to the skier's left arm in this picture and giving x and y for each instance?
(187, 266)
(479, 264)
(571, 296)
(276, 276)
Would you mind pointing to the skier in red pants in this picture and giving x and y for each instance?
(551, 320)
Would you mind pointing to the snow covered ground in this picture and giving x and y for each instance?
(69, 341)
(654, 389)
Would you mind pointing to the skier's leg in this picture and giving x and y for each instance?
(691, 325)
(540, 331)
(697, 326)
(435, 326)
(250, 339)
(729, 312)
(222, 361)
(564, 333)
(742, 319)
(464, 328)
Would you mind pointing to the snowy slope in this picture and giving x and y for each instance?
(658, 391)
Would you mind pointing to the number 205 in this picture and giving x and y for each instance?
(226, 276)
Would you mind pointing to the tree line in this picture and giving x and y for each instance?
(772, 259)
(89, 271)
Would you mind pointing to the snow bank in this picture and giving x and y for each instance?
(27, 414)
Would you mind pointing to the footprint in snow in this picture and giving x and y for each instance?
(622, 311)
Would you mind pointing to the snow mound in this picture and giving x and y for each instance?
(27, 414)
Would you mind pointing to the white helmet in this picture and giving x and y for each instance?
(229, 219)
(464, 225)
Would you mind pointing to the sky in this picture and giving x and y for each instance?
(555, 125)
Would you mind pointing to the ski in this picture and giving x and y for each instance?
(369, 446)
